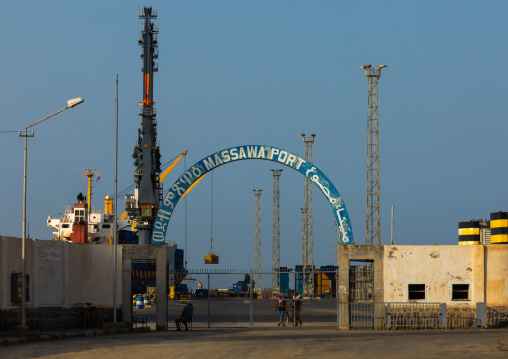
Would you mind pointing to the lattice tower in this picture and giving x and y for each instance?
(276, 233)
(308, 239)
(373, 228)
(257, 245)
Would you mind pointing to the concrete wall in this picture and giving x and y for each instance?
(438, 267)
(496, 275)
(61, 273)
(483, 267)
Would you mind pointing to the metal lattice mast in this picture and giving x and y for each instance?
(257, 236)
(276, 233)
(308, 239)
(373, 229)
(304, 257)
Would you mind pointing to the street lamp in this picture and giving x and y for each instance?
(70, 104)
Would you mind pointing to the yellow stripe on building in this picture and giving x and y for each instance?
(498, 223)
(468, 231)
(468, 243)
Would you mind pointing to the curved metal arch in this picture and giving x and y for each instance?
(233, 154)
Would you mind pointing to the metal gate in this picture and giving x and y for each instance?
(361, 283)
(361, 295)
(231, 298)
(388, 315)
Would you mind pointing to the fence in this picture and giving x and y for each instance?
(357, 315)
(496, 317)
(230, 299)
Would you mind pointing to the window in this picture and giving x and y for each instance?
(65, 226)
(416, 291)
(146, 210)
(460, 291)
(106, 226)
(79, 215)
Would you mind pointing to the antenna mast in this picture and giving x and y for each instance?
(276, 233)
(308, 225)
(90, 174)
(373, 228)
(257, 245)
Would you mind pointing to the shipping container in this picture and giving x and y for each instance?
(240, 287)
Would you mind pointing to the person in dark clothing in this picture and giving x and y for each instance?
(297, 309)
(186, 316)
(281, 307)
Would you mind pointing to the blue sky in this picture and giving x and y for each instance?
(262, 72)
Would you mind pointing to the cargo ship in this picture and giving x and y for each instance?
(80, 224)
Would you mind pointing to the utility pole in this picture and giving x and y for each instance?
(276, 233)
(373, 228)
(146, 152)
(257, 245)
(308, 223)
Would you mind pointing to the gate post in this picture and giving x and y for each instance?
(344, 315)
(443, 316)
(481, 315)
(251, 305)
(208, 300)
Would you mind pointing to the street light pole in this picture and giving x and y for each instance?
(70, 104)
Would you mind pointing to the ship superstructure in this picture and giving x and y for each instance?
(81, 224)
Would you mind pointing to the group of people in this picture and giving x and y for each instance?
(289, 313)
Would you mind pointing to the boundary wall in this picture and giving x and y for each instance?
(62, 274)
(479, 268)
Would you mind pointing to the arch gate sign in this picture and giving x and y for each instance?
(233, 154)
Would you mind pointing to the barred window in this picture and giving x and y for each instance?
(416, 291)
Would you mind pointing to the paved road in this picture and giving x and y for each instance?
(274, 343)
(220, 313)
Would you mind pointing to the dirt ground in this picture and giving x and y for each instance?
(273, 343)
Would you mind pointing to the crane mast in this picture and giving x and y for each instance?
(146, 151)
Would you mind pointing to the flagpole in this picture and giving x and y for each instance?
(115, 240)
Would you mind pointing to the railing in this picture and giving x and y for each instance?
(147, 111)
(496, 318)
(461, 322)
(391, 315)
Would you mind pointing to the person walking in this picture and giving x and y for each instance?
(281, 308)
(297, 309)
(186, 316)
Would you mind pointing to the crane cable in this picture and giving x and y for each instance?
(211, 214)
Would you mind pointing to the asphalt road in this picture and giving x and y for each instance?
(289, 342)
(235, 313)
